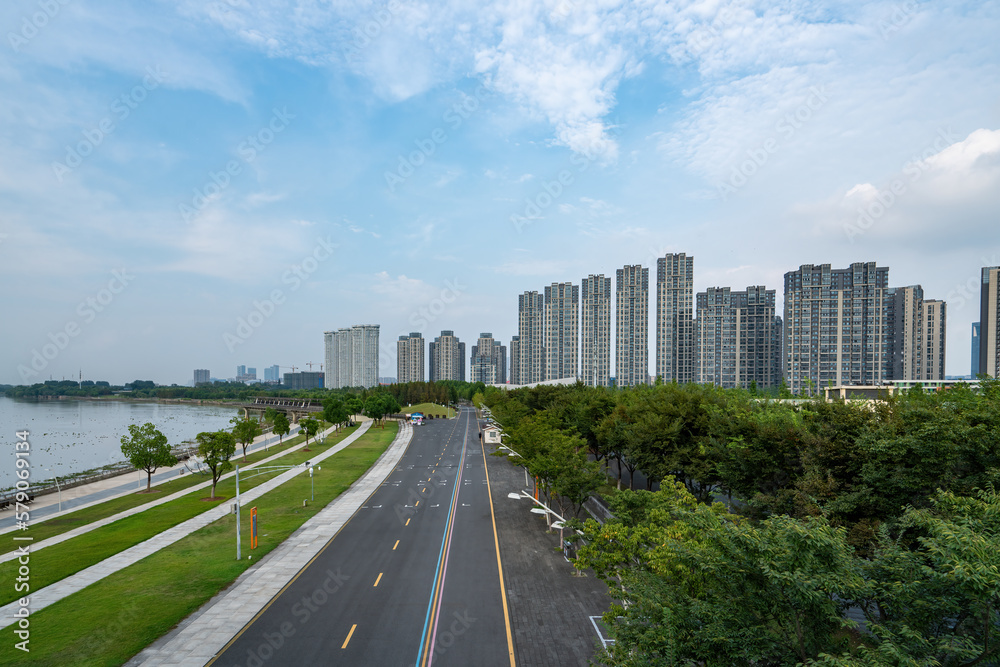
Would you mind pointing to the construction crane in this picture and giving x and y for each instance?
(311, 364)
(292, 367)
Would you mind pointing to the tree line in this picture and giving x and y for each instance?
(886, 507)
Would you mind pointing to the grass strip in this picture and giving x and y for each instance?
(54, 563)
(111, 621)
(429, 409)
(58, 525)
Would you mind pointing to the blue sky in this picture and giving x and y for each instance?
(170, 168)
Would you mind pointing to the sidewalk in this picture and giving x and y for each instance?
(74, 583)
(207, 631)
(94, 525)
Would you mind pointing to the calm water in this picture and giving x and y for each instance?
(72, 436)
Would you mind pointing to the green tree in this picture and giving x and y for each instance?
(702, 586)
(245, 430)
(354, 405)
(310, 427)
(281, 426)
(146, 449)
(215, 449)
(334, 410)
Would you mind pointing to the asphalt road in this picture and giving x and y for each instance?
(412, 579)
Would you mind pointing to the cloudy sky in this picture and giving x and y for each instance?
(205, 184)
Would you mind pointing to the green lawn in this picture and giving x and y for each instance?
(59, 561)
(111, 621)
(429, 409)
(58, 525)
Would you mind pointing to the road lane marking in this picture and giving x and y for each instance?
(378, 580)
(395, 545)
(407, 523)
(496, 542)
(427, 639)
(349, 635)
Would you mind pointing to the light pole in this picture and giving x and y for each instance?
(560, 523)
(258, 471)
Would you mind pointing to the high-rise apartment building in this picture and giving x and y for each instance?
(488, 361)
(675, 348)
(975, 349)
(303, 380)
(352, 356)
(202, 375)
(515, 361)
(446, 355)
(632, 326)
(916, 335)
(561, 331)
(989, 321)
(737, 338)
(410, 358)
(272, 374)
(531, 345)
(835, 326)
(595, 338)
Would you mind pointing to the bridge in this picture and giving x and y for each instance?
(294, 408)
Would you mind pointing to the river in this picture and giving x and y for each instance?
(70, 436)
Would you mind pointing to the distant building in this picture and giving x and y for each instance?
(352, 356)
(595, 328)
(738, 338)
(989, 321)
(272, 374)
(675, 347)
(447, 357)
(975, 350)
(848, 327)
(387, 379)
(410, 358)
(515, 358)
(561, 330)
(531, 346)
(632, 326)
(202, 375)
(916, 335)
(488, 361)
(303, 380)
(244, 374)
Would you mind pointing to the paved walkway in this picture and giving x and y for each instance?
(203, 634)
(74, 583)
(94, 525)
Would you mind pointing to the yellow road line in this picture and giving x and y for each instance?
(349, 635)
(496, 542)
(407, 523)
(395, 545)
(378, 580)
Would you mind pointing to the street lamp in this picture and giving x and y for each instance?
(560, 523)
